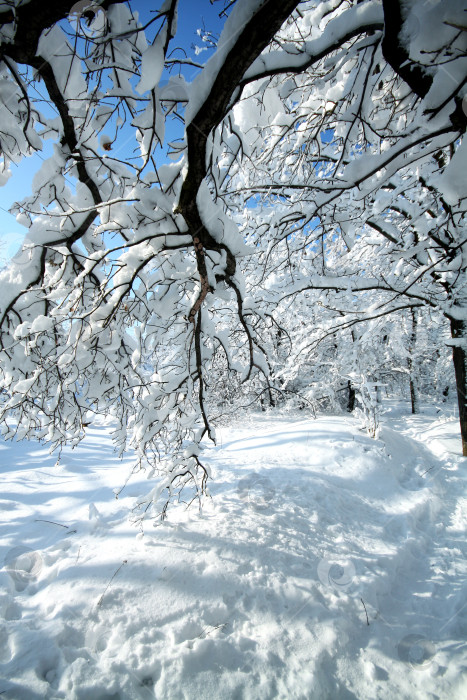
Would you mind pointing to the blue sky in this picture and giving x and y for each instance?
(192, 15)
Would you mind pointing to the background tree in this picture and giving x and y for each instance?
(363, 157)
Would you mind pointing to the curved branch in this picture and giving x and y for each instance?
(396, 54)
(31, 18)
(254, 37)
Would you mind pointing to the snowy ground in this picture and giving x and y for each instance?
(328, 565)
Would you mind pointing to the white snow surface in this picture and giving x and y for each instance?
(312, 527)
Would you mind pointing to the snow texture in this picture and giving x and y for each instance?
(328, 565)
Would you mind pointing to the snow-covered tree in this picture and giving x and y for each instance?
(354, 162)
(319, 148)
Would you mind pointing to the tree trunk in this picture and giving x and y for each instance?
(272, 402)
(459, 333)
(410, 365)
(351, 397)
(414, 397)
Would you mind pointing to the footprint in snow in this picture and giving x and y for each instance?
(24, 565)
(417, 477)
(6, 651)
(98, 639)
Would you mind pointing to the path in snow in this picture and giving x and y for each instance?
(313, 529)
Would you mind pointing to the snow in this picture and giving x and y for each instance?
(54, 48)
(222, 229)
(239, 17)
(312, 527)
(334, 34)
(152, 65)
(453, 182)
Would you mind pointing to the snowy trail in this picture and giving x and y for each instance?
(313, 526)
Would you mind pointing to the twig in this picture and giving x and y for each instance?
(107, 587)
(456, 26)
(213, 627)
(367, 620)
(39, 520)
(428, 470)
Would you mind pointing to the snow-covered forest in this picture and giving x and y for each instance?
(238, 314)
